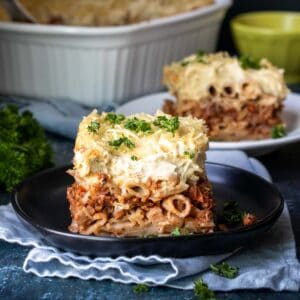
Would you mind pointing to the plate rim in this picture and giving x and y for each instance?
(242, 145)
(274, 215)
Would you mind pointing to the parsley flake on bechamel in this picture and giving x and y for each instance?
(116, 144)
(93, 127)
(189, 154)
(114, 118)
(248, 62)
(169, 124)
(133, 157)
(138, 125)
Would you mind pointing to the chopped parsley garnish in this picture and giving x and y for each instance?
(138, 125)
(231, 214)
(93, 127)
(199, 56)
(140, 288)
(133, 157)
(200, 53)
(176, 232)
(169, 124)
(225, 270)
(116, 144)
(189, 154)
(24, 148)
(201, 290)
(184, 63)
(248, 62)
(114, 118)
(278, 131)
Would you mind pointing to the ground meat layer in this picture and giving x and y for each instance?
(97, 211)
(253, 121)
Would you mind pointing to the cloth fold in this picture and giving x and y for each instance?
(270, 263)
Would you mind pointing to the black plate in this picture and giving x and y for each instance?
(41, 202)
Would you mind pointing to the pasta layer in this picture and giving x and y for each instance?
(99, 211)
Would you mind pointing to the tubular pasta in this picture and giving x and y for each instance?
(137, 190)
(179, 205)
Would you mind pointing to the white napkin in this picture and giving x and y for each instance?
(271, 263)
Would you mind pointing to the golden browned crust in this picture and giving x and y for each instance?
(99, 211)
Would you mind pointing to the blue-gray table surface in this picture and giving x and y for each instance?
(284, 166)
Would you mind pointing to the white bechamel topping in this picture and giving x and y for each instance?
(192, 78)
(159, 155)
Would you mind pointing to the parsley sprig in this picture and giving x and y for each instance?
(248, 62)
(189, 154)
(231, 214)
(114, 118)
(24, 148)
(116, 144)
(278, 131)
(138, 125)
(133, 157)
(184, 63)
(200, 56)
(93, 127)
(140, 288)
(169, 124)
(201, 290)
(176, 232)
(225, 270)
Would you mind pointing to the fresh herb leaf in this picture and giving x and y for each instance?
(278, 131)
(225, 270)
(140, 288)
(137, 125)
(248, 62)
(114, 118)
(116, 144)
(184, 63)
(189, 154)
(93, 127)
(169, 124)
(201, 290)
(200, 56)
(176, 232)
(233, 217)
(133, 157)
(24, 149)
(231, 214)
(200, 53)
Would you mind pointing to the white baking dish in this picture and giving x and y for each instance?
(101, 65)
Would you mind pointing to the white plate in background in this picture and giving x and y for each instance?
(291, 117)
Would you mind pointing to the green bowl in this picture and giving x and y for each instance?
(272, 35)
